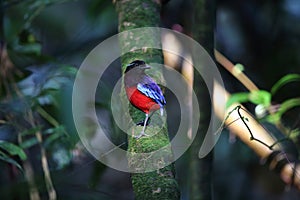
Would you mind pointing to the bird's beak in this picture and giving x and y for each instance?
(146, 67)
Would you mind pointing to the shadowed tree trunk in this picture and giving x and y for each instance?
(161, 183)
(201, 169)
(1, 24)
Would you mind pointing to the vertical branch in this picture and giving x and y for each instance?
(1, 31)
(1, 23)
(48, 181)
(201, 170)
(29, 174)
(161, 183)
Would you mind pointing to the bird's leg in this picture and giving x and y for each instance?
(141, 123)
(145, 123)
(144, 127)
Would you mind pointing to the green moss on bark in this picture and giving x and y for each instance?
(142, 153)
(138, 13)
(155, 185)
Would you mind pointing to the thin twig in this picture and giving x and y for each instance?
(29, 174)
(45, 166)
(47, 116)
(229, 66)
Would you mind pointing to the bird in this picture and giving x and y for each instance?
(142, 91)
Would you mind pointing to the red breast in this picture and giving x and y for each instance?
(141, 101)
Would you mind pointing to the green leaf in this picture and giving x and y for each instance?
(67, 70)
(29, 143)
(237, 98)
(31, 131)
(238, 68)
(283, 81)
(260, 97)
(294, 134)
(47, 116)
(48, 97)
(7, 159)
(13, 149)
(33, 48)
(55, 133)
(285, 106)
(288, 104)
(52, 138)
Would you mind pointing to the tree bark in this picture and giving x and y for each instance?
(161, 183)
(201, 169)
(1, 29)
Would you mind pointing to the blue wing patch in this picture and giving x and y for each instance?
(153, 91)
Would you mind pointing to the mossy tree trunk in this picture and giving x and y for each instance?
(161, 183)
(201, 169)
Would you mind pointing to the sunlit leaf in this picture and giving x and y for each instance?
(284, 107)
(13, 149)
(260, 97)
(237, 98)
(294, 134)
(238, 68)
(283, 81)
(288, 104)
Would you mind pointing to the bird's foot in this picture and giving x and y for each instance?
(142, 134)
(141, 123)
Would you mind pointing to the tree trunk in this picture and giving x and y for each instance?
(201, 169)
(1, 29)
(160, 183)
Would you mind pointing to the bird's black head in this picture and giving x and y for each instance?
(137, 64)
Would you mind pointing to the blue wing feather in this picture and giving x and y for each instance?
(149, 88)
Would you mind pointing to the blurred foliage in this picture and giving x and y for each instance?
(36, 82)
(8, 149)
